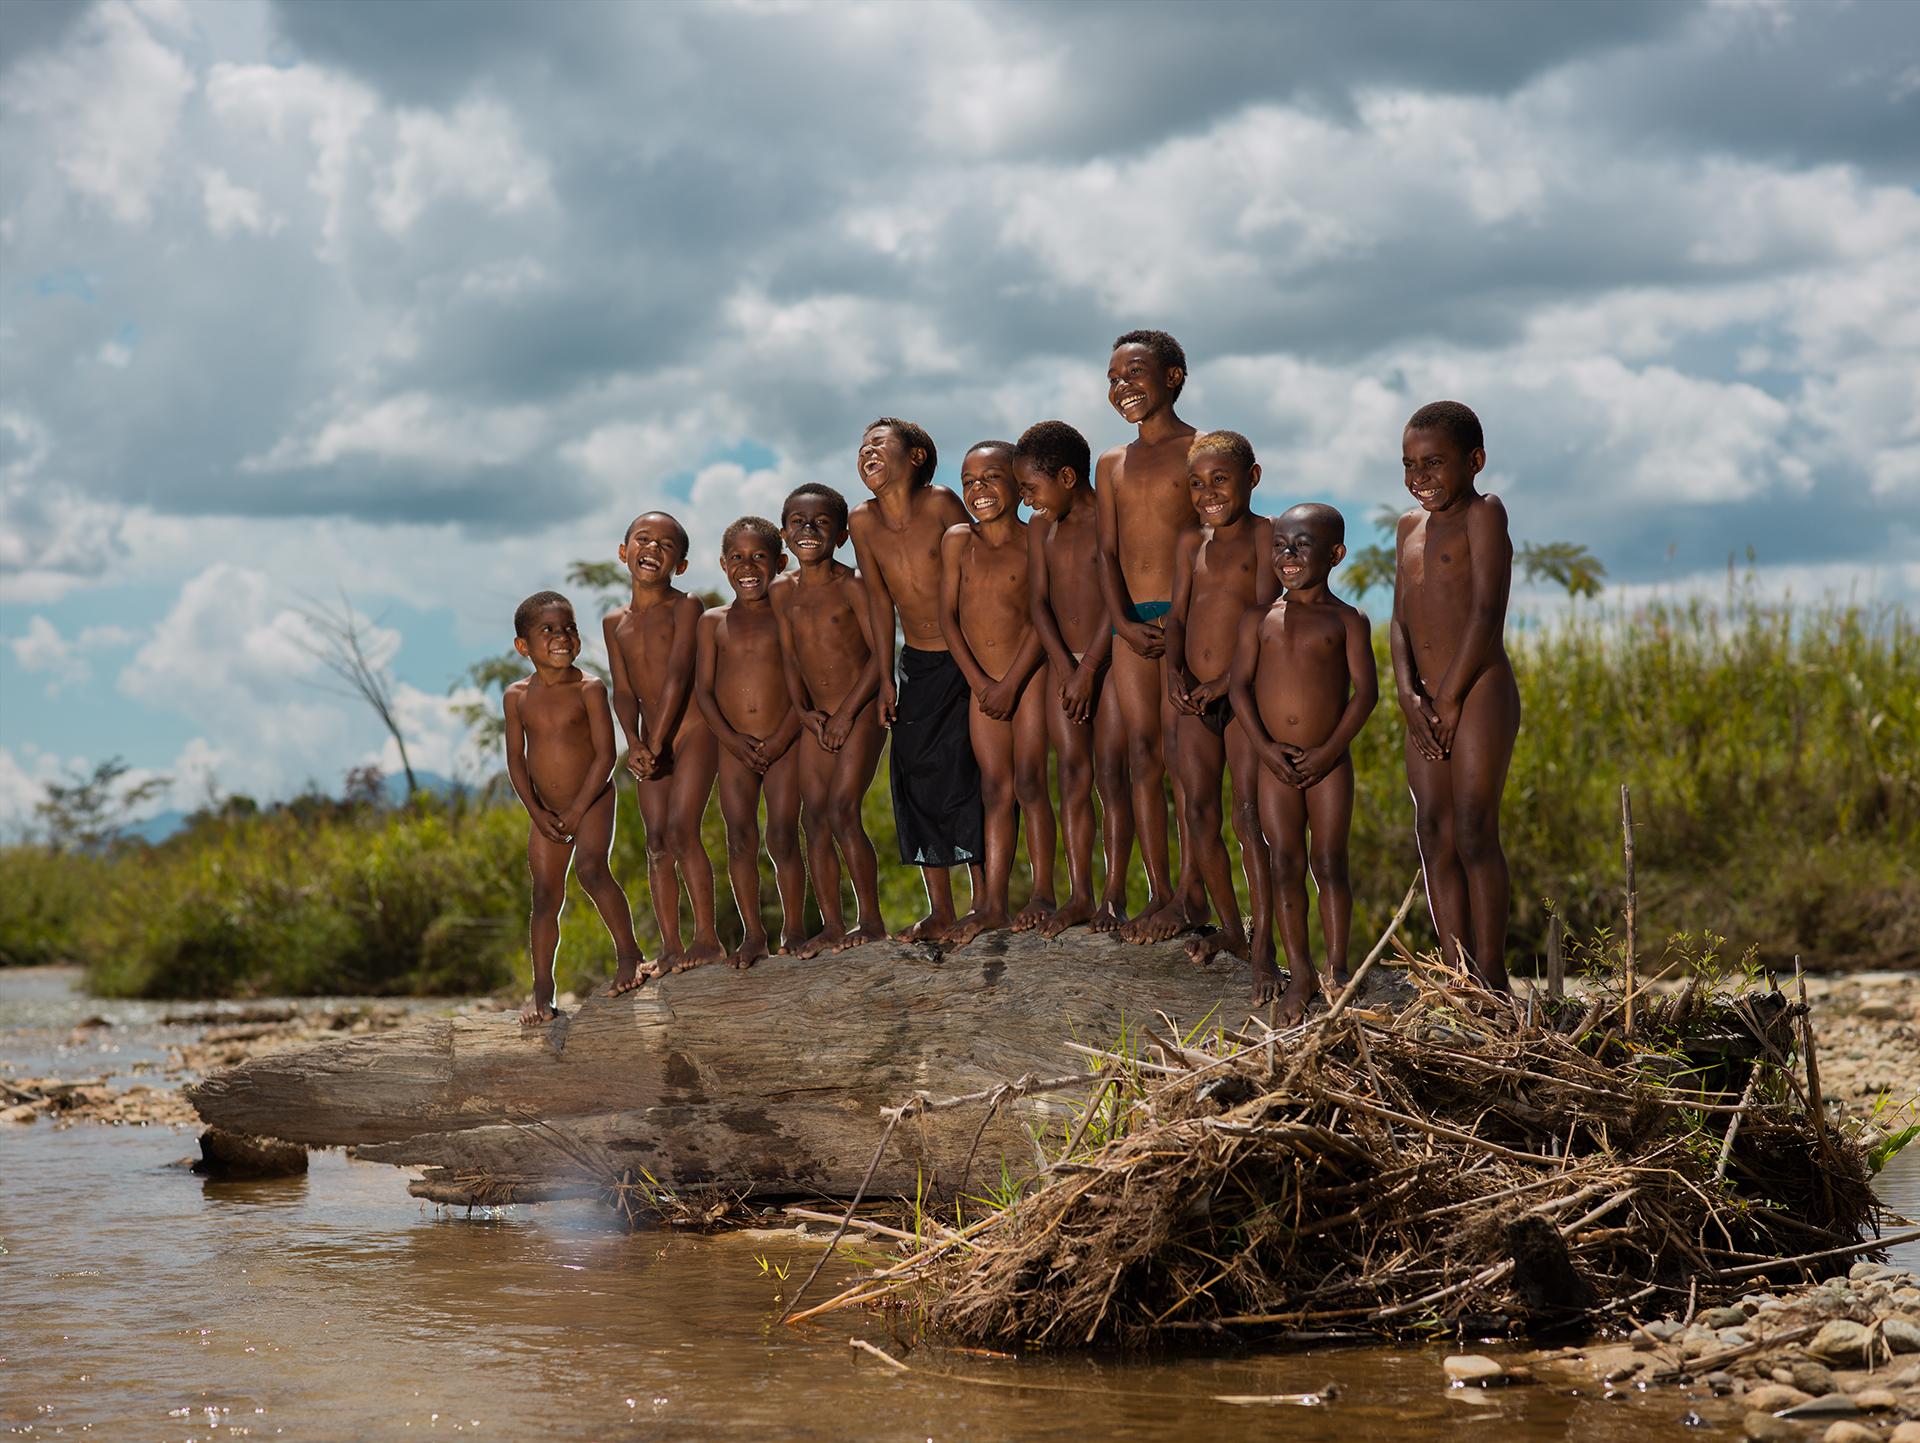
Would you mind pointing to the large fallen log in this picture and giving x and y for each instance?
(771, 1079)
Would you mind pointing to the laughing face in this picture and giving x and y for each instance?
(655, 550)
(1137, 384)
(1304, 550)
(1045, 495)
(885, 460)
(1438, 473)
(1220, 488)
(812, 529)
(552, 639)
(987, 484)
(751, 562)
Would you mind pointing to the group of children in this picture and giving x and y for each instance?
(1145, 626)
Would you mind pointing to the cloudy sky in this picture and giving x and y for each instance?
(423, 301)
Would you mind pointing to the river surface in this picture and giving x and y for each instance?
(139, 1301)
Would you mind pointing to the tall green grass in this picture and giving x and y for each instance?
(1773, 752)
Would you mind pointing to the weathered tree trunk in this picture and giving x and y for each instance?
(771, 1079)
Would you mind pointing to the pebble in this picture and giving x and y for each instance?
(1832, 1405)
(1721, 1383)
(1772, 1397)
(1901, 1336)
(1717, 1318)
(1811, 1377)
(1731, 1337)
(1472, 1370)
(1845, 1432)
(1876, 1400)
(1905, 1433)
(1665, 1329)
(1765, 1428)
(1840, 1341)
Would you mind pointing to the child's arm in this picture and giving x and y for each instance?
(705, 649)
(544, 821)
(1180, 683)
(593, 696)
(626, 702)
(953, 547)
(879, 615)
(1406, 680)
(664, 725)
(1142, 636)
(834, 735)
(1313, 763)
(1491, 550)
(802, 699)
(1246, 662)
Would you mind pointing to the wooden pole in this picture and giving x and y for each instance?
(1556, 959)
(1633, 898)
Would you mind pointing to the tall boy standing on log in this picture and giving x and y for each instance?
(1141, 490)
(1453, 569)
(936, 783)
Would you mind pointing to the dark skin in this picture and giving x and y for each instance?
(1141, 491)
(1454, 567)
(833, 674)
(560, 761)
(988, 619)
(1070, 618)
(740, 683)
(896, 539)
(1303, 686)
(1225, 568)
(671, 751)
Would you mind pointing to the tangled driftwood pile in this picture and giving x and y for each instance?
(1449, 1159)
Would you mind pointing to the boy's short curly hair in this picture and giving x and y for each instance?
(826, 493)
(1053, 446)
(1225, 443)
(524, 613)
(679, 531)
(1452, 418)
(1006, 446)
(1322, 515)
(1166, 350)
(912, 434)
(758, 526)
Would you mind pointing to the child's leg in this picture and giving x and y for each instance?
(853, 768)
(1431, 783)
(993, 751)
(663, 884)
(1116, 806)
(1073, 758)
(1036, 808)
(1134, 685)
(1201, 754)
(937, 925)
(740, 807)
(1243, 763)
(1283, 817)
(823, 863)
(782, 788)
(547, 861)
(592, 845)
(696, 761)
(1330, 818)
(1482, 749)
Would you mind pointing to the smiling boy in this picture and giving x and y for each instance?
(560, 761)
(1141, 491)
(740, 683)
(987, 617)
(936, 782)
(670, 749)
(1303, 686)
(833, 672)
(1221, 570)
(1453, 570)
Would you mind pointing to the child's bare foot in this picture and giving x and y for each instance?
(1077, 911)
(632, 973)
(827, 939)
(1202, 949)
(933, 927)
(974, 923)
(1158, 923)
(874, 931)
(752, 948)
(536, 1012)
(1294, 1000)
(1037, 910)
(791, 943)
(1111, 917)
(1266, 982)
(704, 950)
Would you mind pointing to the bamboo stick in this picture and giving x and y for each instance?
(1633, 898)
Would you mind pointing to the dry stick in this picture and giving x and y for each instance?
(1556, 960)
(1019, 1087)
(1633, 897)
(1086, 1117)
(1728, 1275)
(1713, 1361)
(892, 1362)
(1352, 989)
(1733, 1126)
(862, 1223)
(879, 1152)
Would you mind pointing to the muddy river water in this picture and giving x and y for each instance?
(138, 1301)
